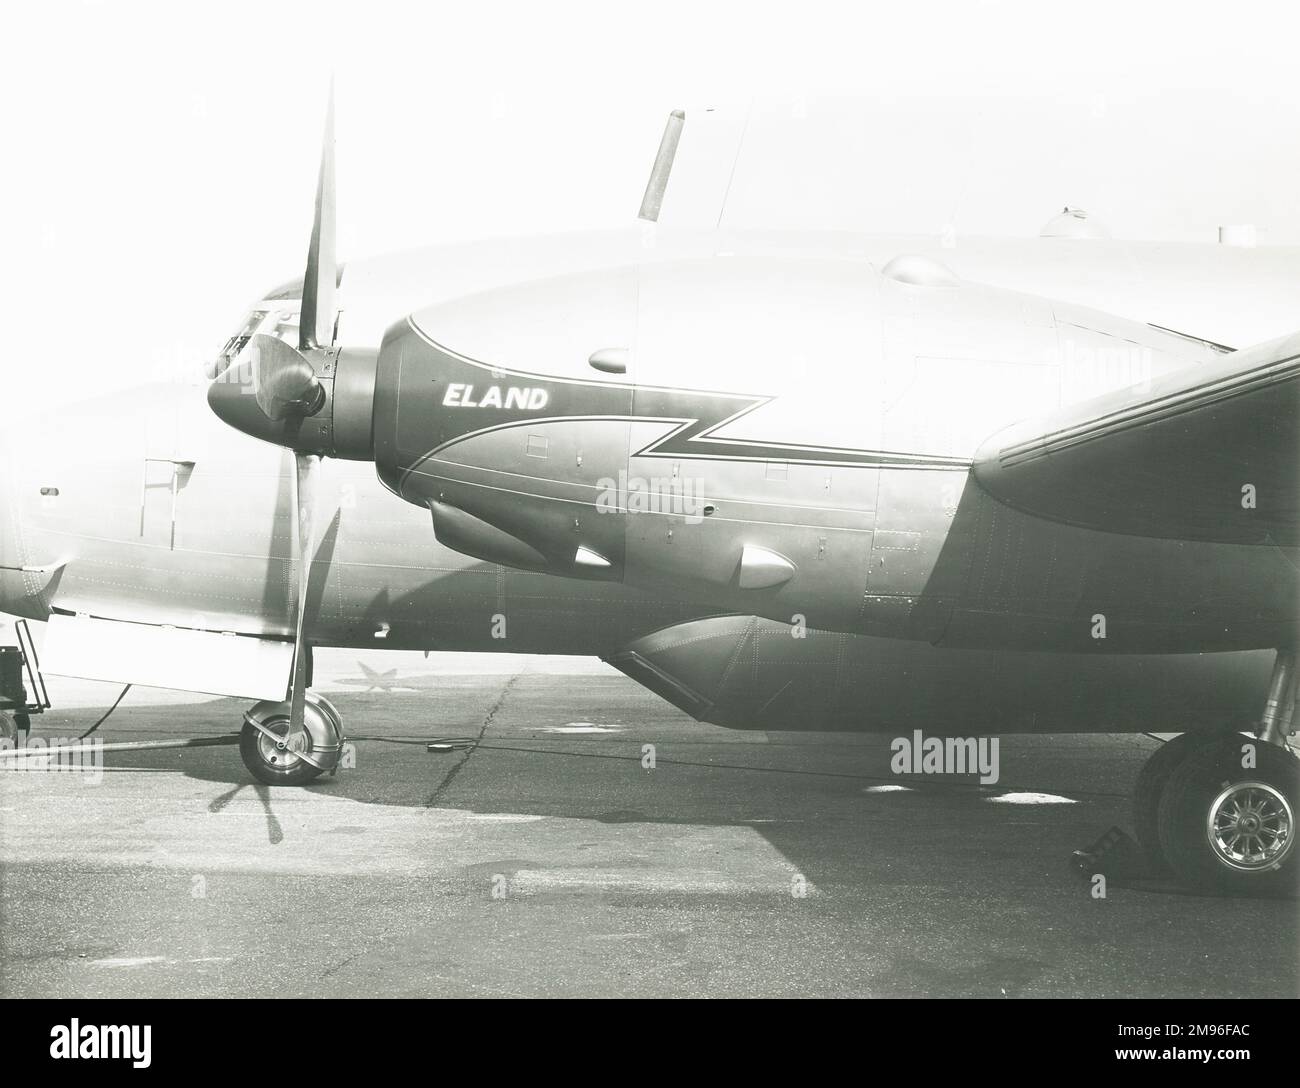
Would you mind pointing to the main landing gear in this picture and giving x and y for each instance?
(1219, 810)
(280, 756)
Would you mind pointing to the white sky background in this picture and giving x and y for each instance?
(159, 159)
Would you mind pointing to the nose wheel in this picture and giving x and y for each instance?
(280, 756)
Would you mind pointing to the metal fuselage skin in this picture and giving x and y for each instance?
(143, 508)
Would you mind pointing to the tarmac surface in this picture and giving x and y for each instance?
(549, 860)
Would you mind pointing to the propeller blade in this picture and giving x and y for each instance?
(316, 326)
(284, 380)
(304, 494)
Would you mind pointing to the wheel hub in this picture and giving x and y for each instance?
(1250, 826)
(282, 752)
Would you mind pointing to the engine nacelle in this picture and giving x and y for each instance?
(512, 450)
(778, 437)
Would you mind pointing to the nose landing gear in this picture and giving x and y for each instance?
(278, 756)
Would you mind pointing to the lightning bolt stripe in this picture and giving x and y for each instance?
(696, 413)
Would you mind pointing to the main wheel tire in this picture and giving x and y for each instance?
(1150, 785)
(270, 764)
(1231, 827)
(8, 728)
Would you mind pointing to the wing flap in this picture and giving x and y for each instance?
(166, 657)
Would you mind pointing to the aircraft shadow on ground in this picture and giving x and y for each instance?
(806, 803)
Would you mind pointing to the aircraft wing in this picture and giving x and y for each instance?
(1208, 453)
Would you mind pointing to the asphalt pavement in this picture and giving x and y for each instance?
(593, 841)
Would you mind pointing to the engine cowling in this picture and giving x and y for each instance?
(512, 440)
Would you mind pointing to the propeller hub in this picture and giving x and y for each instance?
(318, 401)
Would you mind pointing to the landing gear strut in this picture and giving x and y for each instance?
(289, 743)
(278, 756)
(1220, 811)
